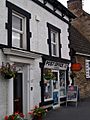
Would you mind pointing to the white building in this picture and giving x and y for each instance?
(34, 35)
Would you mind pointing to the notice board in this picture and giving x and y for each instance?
(72, 94)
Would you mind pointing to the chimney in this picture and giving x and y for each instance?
(74, 4)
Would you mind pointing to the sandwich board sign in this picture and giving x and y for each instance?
(72, 94)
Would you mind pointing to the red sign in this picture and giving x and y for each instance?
(76, 67)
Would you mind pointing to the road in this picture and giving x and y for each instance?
(71, 112)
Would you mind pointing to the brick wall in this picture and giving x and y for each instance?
(80, 79)
(82, 24)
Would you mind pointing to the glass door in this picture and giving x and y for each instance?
(62, 77)
(56, 88)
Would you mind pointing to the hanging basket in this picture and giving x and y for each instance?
(6, 76)
(76, 67)
(8, 71)
(48, 74)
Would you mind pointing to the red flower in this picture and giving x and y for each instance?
(12, 117)
(16, 113)
(21, 115)
(31, 112)
(6, 118)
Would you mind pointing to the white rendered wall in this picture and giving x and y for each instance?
(40, 31)
(38, 27)
(3, 19)
(36, 82)
(3, 90)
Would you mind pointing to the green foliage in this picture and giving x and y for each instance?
(15, 116)
(38, 111)
(8, 71)
(48, 74)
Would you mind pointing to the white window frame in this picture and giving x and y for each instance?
(87, 64)
(22, 32)
(55, 43)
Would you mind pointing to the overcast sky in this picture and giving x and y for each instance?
(86, 4)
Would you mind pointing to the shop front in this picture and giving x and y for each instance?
(54, 76)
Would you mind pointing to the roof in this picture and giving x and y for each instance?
(78, 42)
(57, 5)
(62, 8)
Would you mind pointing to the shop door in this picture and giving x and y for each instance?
(18, 93)
(56, 89)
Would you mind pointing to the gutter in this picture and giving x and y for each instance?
(77, 53)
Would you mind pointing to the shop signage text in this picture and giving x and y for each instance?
(57, 65)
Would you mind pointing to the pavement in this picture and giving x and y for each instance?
(71, 112)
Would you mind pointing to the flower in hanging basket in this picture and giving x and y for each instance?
(48, 74)
(8, 71)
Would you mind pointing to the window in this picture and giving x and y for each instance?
(18, 31)
(87, 68)
(47, 84)
(54, 43)
(47, 89)
(54, 40)
(18, 27)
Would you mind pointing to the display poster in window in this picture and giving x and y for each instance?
(55, 97)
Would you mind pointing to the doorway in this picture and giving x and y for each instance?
(56, 89)
(18, 93)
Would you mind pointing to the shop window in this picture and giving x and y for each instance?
(48, 78)
(47, 89)
(54, 41)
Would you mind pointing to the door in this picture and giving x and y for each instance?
(56, 89)
(18, 106)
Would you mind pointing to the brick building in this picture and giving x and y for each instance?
(80, 42)
(82, 48)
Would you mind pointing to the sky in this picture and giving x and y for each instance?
(86, 4)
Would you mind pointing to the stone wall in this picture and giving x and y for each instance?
(80, 79)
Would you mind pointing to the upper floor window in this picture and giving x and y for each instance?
(87, 68)
(18, 31)
(54, 41)
(18, 27)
